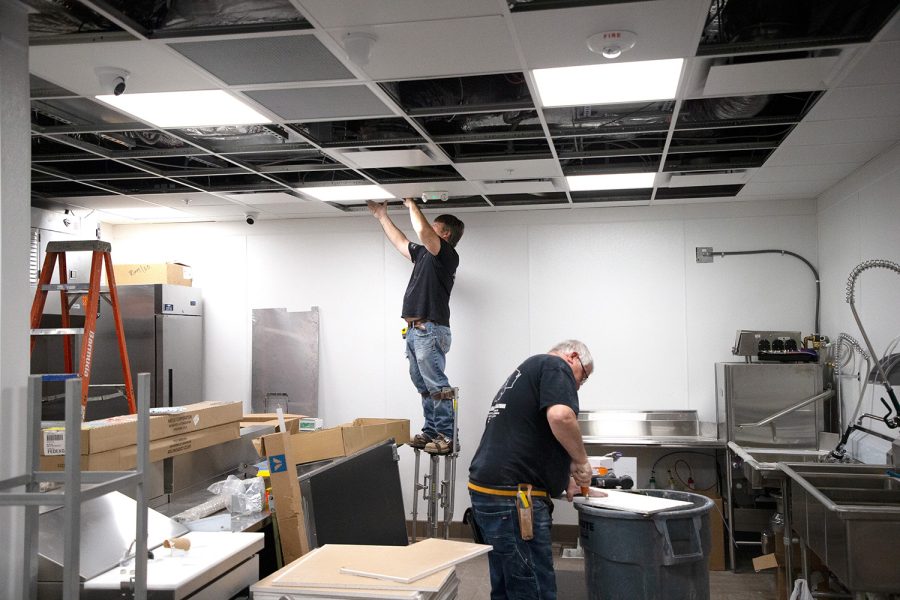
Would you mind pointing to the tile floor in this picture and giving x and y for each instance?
(724, 585)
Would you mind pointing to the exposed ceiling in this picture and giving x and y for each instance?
(776, 100)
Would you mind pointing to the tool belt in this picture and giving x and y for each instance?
(523, 494)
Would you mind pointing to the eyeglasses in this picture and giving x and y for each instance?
(584, 373)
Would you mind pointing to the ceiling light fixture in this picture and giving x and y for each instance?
(205, 108)
(610, 181)
(344, 193)
(609, 83)
(358, 45)
(611, 44)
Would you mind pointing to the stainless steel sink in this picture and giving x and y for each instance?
(849, 514)
(760, 465)
(639, 424)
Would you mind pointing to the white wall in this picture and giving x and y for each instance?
(858, 221)
(624, 280)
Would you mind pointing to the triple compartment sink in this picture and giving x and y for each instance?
(849, 515)
(760, 465)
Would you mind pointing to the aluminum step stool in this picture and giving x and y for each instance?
(438, 493)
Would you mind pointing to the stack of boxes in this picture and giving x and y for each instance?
(110, 444)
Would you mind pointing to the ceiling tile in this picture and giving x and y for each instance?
(769, 76)
(826, 154)
(858, 102)
(186, 200)
(665, 29)
(509, 169)
(372, 159)
(415, 190)
(265, 59)
(805, 189)
(307, 104)
(356, 13)
(775, 174)
(152, 68)
(837, 131)
(870, 70)
(520, 187)
(436, 48)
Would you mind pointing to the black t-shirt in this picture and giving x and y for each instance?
(428, 293)
(518, 445)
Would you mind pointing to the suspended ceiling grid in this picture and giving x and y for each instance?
(774, 102)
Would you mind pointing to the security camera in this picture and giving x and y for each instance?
(251, 217)
(112, 79)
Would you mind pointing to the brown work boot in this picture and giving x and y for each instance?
(441, 444)
(420, 440)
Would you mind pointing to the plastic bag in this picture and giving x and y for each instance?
(244, 496)
(801, 591)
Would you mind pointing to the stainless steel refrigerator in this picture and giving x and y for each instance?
(164, 336)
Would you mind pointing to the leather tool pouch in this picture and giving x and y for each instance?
(525, 510)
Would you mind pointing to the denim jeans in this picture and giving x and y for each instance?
(520, 570)
(426, 350)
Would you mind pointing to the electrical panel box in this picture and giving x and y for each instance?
(751, 343)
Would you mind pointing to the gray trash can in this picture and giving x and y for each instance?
(657, 557)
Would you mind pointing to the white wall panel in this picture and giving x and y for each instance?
(619, 287)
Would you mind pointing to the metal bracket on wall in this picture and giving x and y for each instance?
(704, 254)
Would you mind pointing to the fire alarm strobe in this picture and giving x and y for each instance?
(442, 196)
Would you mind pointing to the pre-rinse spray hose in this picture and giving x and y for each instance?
(851, 289)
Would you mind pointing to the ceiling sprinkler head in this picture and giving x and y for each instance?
(611, 44)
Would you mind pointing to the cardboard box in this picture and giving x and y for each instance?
(138, 274)
(310, 446)
(117, 432)
(285, 451)
(716, 531)
(291, 421)
(124, 459)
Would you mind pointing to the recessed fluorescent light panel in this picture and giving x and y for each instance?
(344, 193)
(611, 181)
(186, 109)
(609, 83)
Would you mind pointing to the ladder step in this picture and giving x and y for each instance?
(79, 246)
(59, 331)
(58, 376)
(72, 288)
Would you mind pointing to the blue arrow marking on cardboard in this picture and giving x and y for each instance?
(277, 463)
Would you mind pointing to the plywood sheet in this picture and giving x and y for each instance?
(636, 503)
(321, 569)
(418, 560)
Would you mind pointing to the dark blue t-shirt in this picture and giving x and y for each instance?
(518, 445)
(428, 293)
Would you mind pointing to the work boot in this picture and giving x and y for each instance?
(441, 444)
(420, 440)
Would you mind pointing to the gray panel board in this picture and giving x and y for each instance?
(285, 361)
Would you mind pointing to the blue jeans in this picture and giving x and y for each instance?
(520, 570)
(426, 350)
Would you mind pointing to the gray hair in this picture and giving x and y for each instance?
(574, 346)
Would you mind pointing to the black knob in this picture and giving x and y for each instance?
(778, 345)
(764, 346)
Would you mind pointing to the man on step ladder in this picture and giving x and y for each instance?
(426, 310)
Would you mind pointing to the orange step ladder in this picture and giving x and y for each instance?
(68, 294)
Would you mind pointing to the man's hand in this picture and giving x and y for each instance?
(378, 209)
(574, 489)
(409, 202)
(581, 472)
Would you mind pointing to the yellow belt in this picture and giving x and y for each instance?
(500, 492)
